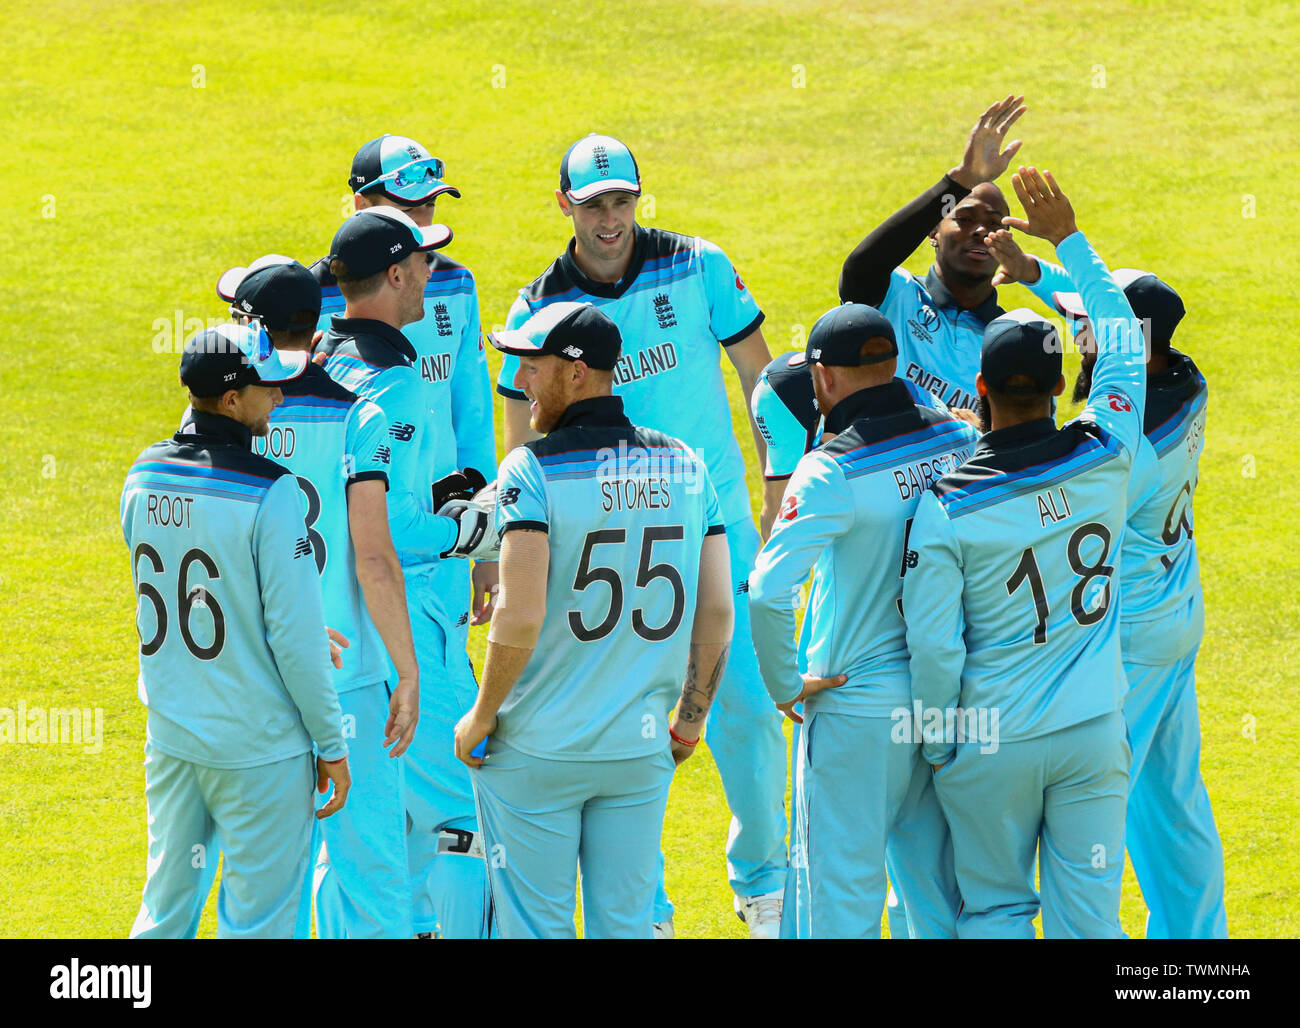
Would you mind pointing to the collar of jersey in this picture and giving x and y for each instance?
(610, 290)
(1179, 375)
(217, 427)
(943, 297)
(593, 411)
(367, 329)
(874, 401)
(1024, 434)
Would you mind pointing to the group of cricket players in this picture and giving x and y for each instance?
(994, 671)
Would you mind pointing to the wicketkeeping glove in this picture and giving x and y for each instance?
(476, 516)
(459, 485)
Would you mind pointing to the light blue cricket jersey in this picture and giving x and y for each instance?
(680, 301)
(234, 663)
(847, 512)
(626, 510)
(329, 438)
(1161, 575)
(939, 343)
(784, 406)
(1010, 603)
(376, 361)
(448, 345)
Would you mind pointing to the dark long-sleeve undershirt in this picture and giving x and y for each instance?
(865, 276)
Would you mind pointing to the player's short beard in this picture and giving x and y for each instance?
(1082, 385)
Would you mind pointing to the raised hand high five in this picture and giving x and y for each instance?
(1048, 213)
(984, 159)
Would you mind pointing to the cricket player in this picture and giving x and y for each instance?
(846, 512)
(339, 448)
(1013, 620)
(614, 595)
(379, 261)
(940, 319)
(1170, 831)
(678, 301)
(234, 666)
(399, 173)
(784, 408)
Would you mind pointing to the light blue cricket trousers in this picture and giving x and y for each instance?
(1063, 795)
(1171, 836)
(864, 802)
(449, 890)
(744, 735)
(261, 820)
(545, 819)
(362, 881)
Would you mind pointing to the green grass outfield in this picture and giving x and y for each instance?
(782, 131)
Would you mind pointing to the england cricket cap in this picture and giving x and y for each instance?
(401, 169)
(234, 356)
(574, 331)
(1020, 342)
(272, 289)
(376, 238)
(837, 337)
(598, 164)
(1151, 300)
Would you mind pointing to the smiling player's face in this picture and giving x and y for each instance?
(960, 250)
(603, 230)
(545, 382)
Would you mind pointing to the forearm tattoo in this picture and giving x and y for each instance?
(696, 697)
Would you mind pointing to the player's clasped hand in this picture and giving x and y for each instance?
(1014, 265)
(338, 773)
(471, 730)
(811, 686)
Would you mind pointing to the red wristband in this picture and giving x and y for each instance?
(679, 740)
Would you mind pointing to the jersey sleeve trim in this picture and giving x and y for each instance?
(534, 526)
(778, 478)
(368, 476)
(510, 394)
(743, 332)
(715, 530)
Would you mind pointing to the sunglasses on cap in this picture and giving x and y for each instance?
(416, 174)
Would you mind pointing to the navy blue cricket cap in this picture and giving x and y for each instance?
(376, 238)
(598, 164)
(1020, 342)
(574, 331)
(234, 356)
(272, 289)
(401, 169)
(837, 337)
(1151, 299)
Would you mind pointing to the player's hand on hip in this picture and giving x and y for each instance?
(471, 730)
(1014, 265)
(1048, 213)
(486, 580)
(403, 715)
(338, 643)
(984, 159)
(338, 773)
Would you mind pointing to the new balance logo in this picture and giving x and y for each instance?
(910, 558)
(302, 548)
(462, 621)
(573, 352)
(442, 319)
(384, 455)
(742, 588)
(508, 496)
(664, 311)
(401, 431)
